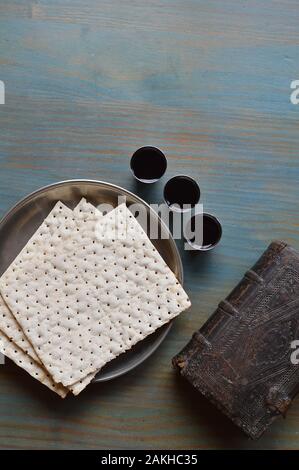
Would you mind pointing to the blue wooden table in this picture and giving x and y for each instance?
(207, 81)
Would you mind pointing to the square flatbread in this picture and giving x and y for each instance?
(67, 269)
(137, 292)
(33, 368)
(21, 351)
(10, 327)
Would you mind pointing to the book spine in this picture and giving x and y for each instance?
(201, 339)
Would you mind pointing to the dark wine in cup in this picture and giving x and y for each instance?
(181, 193)
(203, 232)
(148, 164)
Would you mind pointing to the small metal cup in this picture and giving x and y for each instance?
(211, 231)
(148, 164)
(181, 193)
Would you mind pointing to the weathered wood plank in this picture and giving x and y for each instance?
(208, 82)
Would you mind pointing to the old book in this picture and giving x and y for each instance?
(241, 359)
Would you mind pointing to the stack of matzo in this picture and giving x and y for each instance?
(84, 289)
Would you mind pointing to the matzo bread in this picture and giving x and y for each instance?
(123, 316)
(19, 343)
(21, 359)
(134, 263)
(13, 330)
(33, 264)
(9, 323)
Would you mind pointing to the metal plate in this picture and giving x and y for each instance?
(20, 223)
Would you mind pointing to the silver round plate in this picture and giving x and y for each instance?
(20, 223)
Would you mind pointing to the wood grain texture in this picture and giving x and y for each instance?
(87, 82)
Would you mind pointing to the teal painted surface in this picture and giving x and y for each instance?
(87, 82)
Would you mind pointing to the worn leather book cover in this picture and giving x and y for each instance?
(241, 358)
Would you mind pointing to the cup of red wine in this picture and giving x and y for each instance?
(203, 232)
(148, 164)
(181, 193)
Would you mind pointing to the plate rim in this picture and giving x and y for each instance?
(22, 202)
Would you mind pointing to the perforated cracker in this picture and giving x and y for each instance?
(41, 278)
(87, 337)
(14, 353)
(124, 307)
(8, 323)
(116, 315)
(14, 332)
(43, 246)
